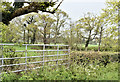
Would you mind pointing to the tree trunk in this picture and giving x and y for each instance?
(80, 42)
(28, 37)
(44, 38)
(71, 38)
(77, 40)
(24, 37)
(87, 42)
(86, 45)
(56, 31)
(55, 39)
(34, 37)
(100, 38)
(49, 39)
(119, 29)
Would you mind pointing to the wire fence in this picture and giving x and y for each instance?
(17, 58)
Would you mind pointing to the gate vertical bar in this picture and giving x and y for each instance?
(2, 57)
(57, 53)
(43, 53)
(26, 56)
(118, 37)
(1, 69)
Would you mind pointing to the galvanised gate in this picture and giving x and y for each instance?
(17, 58)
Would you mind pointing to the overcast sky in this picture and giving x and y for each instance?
(84, 0)
(76, 8)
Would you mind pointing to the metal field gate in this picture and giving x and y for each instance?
(17, 58)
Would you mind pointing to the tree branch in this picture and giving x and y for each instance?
(57, 7)
(33, 7)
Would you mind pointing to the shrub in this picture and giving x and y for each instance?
(115, 49)
(9, 52)
(92, 57)
(9, 77)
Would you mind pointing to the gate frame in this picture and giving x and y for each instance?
(26, 51)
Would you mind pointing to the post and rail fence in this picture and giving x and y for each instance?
(32, 56)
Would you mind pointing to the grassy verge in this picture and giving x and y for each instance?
(74, 72)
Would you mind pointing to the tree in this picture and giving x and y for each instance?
(37, 27)
(89, 27)
(45, 25)
(112, 19)
(119, 23)
(71, 43)
(10, 11)
(79, 33)
(100, 28)
(30, 26)
(20, 23)
(33, 29)
(4, 30)
(69, 34)
(10, 33)
(61, 18)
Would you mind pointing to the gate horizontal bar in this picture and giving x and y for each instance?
(33, 68)
(33, 57)
(31, 45)
(32, 62)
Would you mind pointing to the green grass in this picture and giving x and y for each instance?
(20, 47)
(91, 45)
(74, 72)
(83, 45)
(109, 73)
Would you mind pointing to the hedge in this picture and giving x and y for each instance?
(91, 57)
(115, 49)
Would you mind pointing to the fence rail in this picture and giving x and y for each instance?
(42, 56)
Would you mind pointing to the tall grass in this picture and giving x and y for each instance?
(74, 72)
